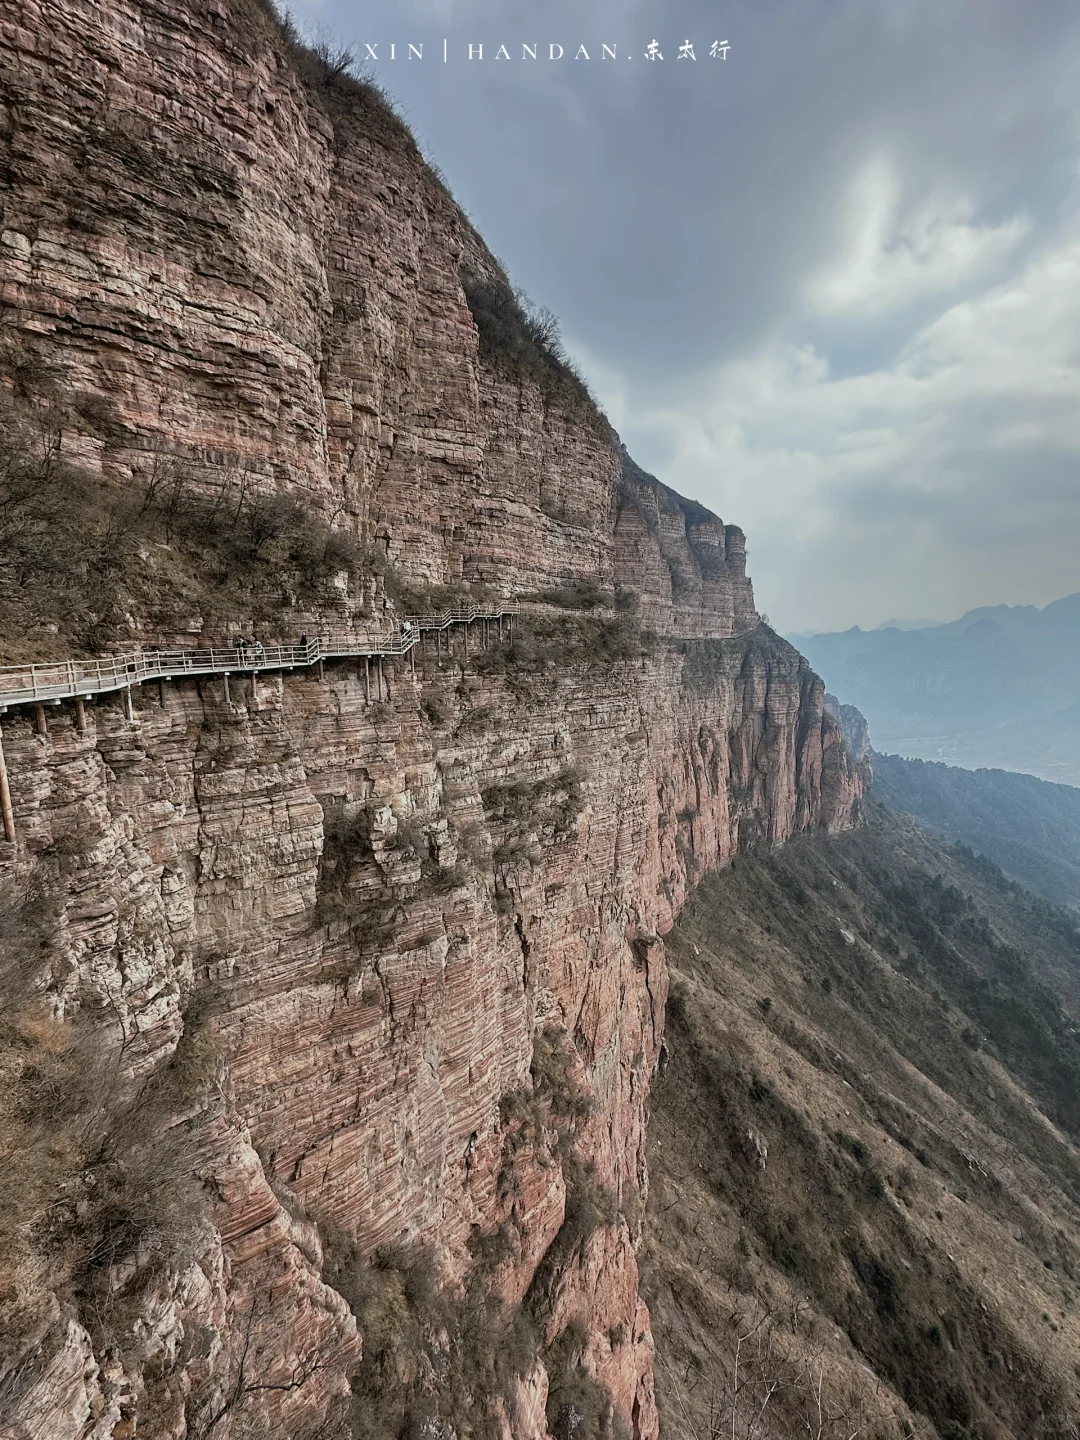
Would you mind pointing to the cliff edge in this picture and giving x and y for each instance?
(330, 1017)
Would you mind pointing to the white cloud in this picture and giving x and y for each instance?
(868, 489)
(888, 257)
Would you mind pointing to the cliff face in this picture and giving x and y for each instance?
(308, 992)
(219, 270)
(856, 735)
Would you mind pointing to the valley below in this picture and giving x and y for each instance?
(863, 1217)
(541, 1031)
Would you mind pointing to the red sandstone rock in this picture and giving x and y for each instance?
(189, 237)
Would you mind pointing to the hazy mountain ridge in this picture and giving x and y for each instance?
(1030, 827)
(1000, 687)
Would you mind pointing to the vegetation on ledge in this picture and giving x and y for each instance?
(85, 564)
(521, 341)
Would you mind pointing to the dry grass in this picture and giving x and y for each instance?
(901, 1162)
(89, 1174)
(84, 564)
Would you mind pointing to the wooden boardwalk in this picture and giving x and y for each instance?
(53, 682)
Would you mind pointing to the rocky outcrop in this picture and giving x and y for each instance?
(318, 975)
(856, 734)
(372, 914)
(686, 569)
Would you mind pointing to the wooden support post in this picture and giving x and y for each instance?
(412, 661)
(5, 798)
(367, 677)
(80, 715)
(465, 629)
(40, 725)
(161, 691)
(225, 682)
(129, 708)
(322, 669)
(380, 678)
(510, 618)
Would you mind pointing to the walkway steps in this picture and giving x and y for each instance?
(64, 679)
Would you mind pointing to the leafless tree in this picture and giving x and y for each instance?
(244, 1385)
(828, 1418)
(158, 477)
(818, 1402)
(758, 1373)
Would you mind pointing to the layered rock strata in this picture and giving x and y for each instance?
(313, 942)
(187, 857)
(220, 264)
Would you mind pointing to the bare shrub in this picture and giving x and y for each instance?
(554, 1082)
(578, 1406)
(583, 595)
(434, 1356)
(530, 807)
(79, 556)
(522, 341)
(335, 76)
(551, 644)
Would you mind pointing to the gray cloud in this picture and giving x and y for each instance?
(827, 286)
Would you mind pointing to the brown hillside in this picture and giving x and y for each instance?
(863, 1150)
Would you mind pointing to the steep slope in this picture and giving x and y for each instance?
(330, 1017)
(220, 250)
(865, 1149)
(1027, 826)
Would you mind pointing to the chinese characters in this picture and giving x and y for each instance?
(718, 50)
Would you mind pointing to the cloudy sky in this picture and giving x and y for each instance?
(829, 285)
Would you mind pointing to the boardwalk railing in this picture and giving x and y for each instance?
(62, 679)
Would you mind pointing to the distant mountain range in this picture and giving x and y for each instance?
(922, 624)
(998, 688)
